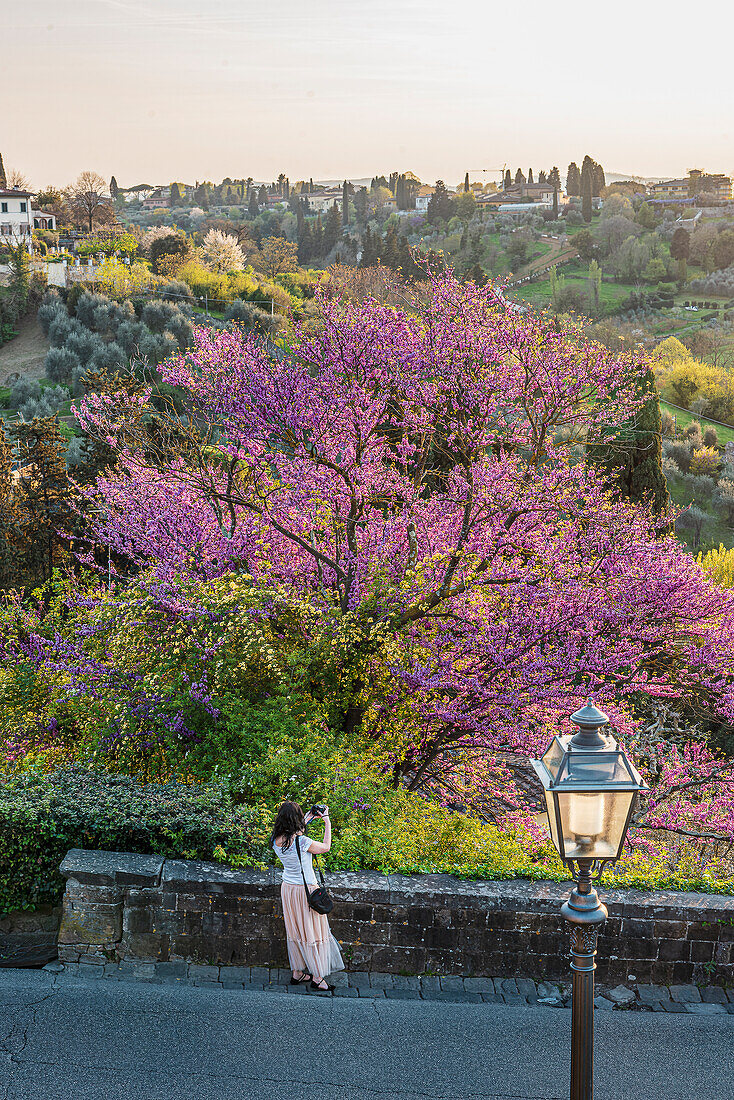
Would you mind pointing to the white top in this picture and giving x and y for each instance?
(291, 867)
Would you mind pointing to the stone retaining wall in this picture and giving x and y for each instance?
(28, 937)
(120, 906)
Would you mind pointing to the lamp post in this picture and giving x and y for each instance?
(591, 789)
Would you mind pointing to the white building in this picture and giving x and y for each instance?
(323, 201)
(18, 219)
(423, 197)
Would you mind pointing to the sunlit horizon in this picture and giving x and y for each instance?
(164, 91)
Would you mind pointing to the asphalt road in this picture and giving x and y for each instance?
(86, 1039)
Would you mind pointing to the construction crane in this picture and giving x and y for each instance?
(486, 171)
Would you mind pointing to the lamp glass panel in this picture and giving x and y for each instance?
(593, 822)
(553, 824)
(595, 767)
(553, 757)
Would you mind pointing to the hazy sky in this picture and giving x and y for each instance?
(200, 89)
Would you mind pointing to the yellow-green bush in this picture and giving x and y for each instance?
(719, 564)
(705, 460)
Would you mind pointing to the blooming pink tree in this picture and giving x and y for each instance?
(400, 472)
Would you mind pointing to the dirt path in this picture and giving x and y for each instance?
(25, 353)
(560, 251)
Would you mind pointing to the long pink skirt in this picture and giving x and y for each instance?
(311, 945)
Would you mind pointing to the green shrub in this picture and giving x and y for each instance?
(43, 816)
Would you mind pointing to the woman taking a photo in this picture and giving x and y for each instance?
(312, 950)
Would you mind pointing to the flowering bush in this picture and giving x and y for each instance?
(373, 558)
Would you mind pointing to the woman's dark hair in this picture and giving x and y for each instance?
(290, 820)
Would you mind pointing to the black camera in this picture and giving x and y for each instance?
(318, 810)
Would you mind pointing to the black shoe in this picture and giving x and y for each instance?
(305, 977)
(320, 989)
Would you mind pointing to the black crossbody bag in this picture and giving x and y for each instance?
(319, 899)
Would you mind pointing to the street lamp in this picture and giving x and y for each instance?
(591, 789)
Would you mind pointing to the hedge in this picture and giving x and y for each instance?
(43, 816)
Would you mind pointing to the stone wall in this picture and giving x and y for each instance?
(121, 906)
(28, 937)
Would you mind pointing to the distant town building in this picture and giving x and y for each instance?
(160, 199)
(423, 197)
(18, 219)
(695, 183)
(526, 194)
(323, 200)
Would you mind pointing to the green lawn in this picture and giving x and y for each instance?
(538, 293)
(683, 419)
(714, 533)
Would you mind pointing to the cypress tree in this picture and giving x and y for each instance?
(253, 207)
(598, 180)
(345, 203)
(519, 177)
(530, 175)
(318, 237)
(305, 245)
(391, 249)
(10, 551)
(175, 195)
(262, 196)
(42, 487)
(586, 193)
(114, 189)
(573, 179)
(508, 180)
(332, 228)
(466, 182)
(3, 177)
(632, 456)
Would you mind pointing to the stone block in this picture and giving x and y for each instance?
(674, 950)
(142, 945)
(137, 920)
(702, 1009)
(403, 994)
(178, 969)
(362, 887)
(672, 1006)
(111, 868)
(430, 983)
(359, 979)
(669, 929)
(686, 994)
(406, 981)
(620, 995)
(91, 923)
(651, 994)
(514, 999)
(381, 981)
(714, 995)
(478, 985)
(197, 877)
